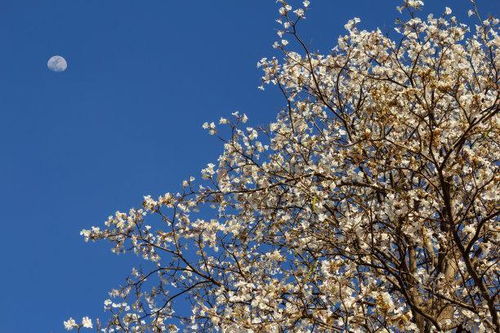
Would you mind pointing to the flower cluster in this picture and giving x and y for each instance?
(72, 324)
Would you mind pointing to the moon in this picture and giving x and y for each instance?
(57, 64)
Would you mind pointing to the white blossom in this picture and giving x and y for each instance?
(70, 324)
(87, 322)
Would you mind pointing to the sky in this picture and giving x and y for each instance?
(124, 120)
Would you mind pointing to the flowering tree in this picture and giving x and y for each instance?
(370, 204)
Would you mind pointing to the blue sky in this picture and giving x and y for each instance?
(123, 121)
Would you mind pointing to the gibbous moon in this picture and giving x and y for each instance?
(57, 64)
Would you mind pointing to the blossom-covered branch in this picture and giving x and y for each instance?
(370, 204)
